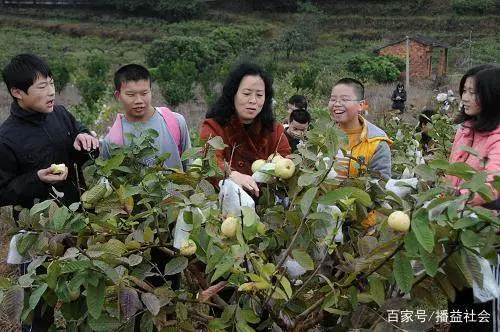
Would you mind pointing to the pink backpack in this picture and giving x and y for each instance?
(115, 134)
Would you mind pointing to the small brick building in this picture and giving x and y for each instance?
(428, 57)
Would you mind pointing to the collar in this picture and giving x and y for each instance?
(22, 114)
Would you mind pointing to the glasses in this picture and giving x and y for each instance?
(343, 101)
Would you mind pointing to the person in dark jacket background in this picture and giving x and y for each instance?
(36, 134)
(399, 98)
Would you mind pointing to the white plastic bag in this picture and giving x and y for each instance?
(491, 288)
(337, 222)
(230, 194)
(401, 187)
(14, 257)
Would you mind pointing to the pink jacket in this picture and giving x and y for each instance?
(487, 146)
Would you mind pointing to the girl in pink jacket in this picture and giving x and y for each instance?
(480, 125)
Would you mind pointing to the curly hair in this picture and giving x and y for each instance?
(224, 108)
(488, 119)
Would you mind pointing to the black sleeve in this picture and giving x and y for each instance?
(393, 98)
(16, 187)
(403, 96)
(76, 127)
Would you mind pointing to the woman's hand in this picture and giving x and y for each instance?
(245, 181)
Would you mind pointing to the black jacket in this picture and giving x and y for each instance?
(397, 104)
(32, 141)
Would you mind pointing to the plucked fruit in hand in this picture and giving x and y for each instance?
(399, 221)
(57, 168)
(188, 248)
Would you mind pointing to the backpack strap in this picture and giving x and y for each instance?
(172, 125)
(115, 134)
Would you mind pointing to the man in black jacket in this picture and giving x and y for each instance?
(38, 133)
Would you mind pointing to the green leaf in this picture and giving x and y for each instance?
(40, 207)
(147, 323)
(306, 179)
(113, 163)
(249, 216)
(217, 324)
(402, 272)
(217, 143)
(425, 172)
(333, 196)
(223, 266)
(464, 223)
(95, 298)
(104, 323)
(430, 262)
(176, 265)
(337, 312)
(4, 283)
(108, 270)
(74, 206)
(486, 214)
(25, 242)
(377, 290)
(411, 244)
(307, 199)
(286, 286)
(439, 163)
(189, 153)
(446, 286)
(61, 215)
(461, 170)
(475, 267)
(151, 302)
(303, 259)
(36, 295)
(423, 233)
(470, 239)
(250, 316)
(75, 266)
(12, 304)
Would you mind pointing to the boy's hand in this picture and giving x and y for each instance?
(45, 175)
(86, 142)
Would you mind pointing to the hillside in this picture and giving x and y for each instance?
(322, 38)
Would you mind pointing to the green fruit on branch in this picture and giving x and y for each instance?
(94, 194)
(57, 168)
(261, 228)
(284, 168)
(132, 245)
(228, 227)
(274, 158)
(188, 248)
(256, 165)
(399, 221)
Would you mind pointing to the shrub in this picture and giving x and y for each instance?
(174, 10)
(238, 37)
(197, 50)
(305, 76)
(61, 74)
(93, 86)
(179, 9)
(175, 80)
(474, 6)
(380, 69)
